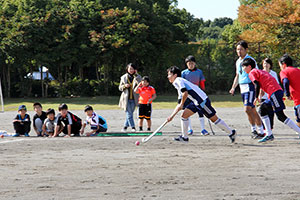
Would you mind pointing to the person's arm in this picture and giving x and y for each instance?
(152, 98)
(82, 128)
(179, 106)
(136, 89)
(257, 89)
(44, 129)
(234, 84)
(286, 87)
(202, 85)
(123, 85)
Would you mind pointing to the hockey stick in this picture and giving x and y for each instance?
(212, 131)
(144, 140)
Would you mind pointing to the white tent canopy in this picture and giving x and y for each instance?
(37, 75)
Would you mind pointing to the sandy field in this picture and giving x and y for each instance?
(115, 168)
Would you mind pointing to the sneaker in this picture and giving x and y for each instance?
(133, 130)
(124, 129)
(148, 129)
(232, 136)
(181, 139)
(26, 134)
(204, 132)
(256, 135)
(16, 135)
(190, 132)
(267, 138)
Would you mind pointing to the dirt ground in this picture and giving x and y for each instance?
(114, 168)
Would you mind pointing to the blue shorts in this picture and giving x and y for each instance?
(187, 102)
(248, 97)
(297, 113)
(276, 100)
(207, 109)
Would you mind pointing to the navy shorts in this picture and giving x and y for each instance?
(99, 130)
(248, 97)
(276, 100)
(187, 102)
(207, 109)
(297, 113)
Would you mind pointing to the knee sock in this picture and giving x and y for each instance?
(201, 123)
(267, 123)
(190, 125)
(184, 127)
(223, 126)
(292, 125)
(261, 128)
(253, 127)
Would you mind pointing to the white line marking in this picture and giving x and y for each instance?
(8, 141)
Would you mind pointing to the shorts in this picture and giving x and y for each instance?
(99, 130)
(207, 109)
(145, 111)
(276, 100)
(297, 113)
(187, 102)
(248, 97)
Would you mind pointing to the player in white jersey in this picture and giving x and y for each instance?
(198, 101)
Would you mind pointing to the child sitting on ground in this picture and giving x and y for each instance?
(98, 123)
(38, 119)
(22, 122)
(147, 95)
(49, 123)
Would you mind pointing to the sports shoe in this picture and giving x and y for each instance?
(26, 134)
(16, 135)
(133, 130)
(124, 129)
(232, 136)
(181, 139)
(267, 138)
(204, 132)
(190, 132)
(256, 135)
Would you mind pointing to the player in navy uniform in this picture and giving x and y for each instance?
(194, 75)
(247, 90)
(198, 101)
(67, 121)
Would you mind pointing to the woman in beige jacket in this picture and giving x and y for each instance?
(129, 99)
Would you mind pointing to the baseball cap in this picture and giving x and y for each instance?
(22, 107)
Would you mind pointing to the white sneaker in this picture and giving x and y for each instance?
(133, 130)
(124, 130)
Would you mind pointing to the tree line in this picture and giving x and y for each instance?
(86, 44)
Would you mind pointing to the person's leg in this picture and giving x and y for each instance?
(202, 123)
(39, 125)
(148, 116)
(130, 109)
(149, 124)
(17, 128)
(141, 120)
(185, 122)
(210, 113)
(297, 114)
(75, 128)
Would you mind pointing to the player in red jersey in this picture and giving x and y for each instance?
(290, 78)
(263, 80)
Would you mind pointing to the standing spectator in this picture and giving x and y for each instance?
(38, 119)
(147, 95)
(22, 122)
(129, 99)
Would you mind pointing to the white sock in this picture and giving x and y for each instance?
(190, 124)
(184, 127)
(261, 128)
(267, 123)
(253, 128)
(223, 126)
(292, 125)
(201, 123)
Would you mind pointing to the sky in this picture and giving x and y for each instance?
(211, 9)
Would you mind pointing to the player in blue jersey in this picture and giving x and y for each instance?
(194, 75)
(198, 101)
(247, 90)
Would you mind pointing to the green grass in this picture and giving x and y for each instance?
(111, 102)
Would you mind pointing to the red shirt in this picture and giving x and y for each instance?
(266, 81)
(146, 93)
(293, 74)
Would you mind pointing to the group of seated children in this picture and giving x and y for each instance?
(46, 124)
